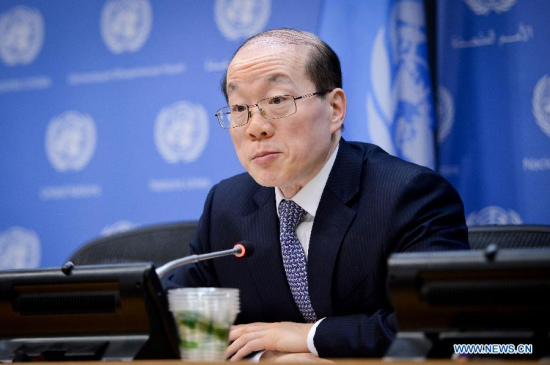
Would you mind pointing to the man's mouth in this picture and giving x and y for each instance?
(264, 156)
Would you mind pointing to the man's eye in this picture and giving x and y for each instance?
(276, 100)
(238, 108)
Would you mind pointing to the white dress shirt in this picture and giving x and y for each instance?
(308, 198)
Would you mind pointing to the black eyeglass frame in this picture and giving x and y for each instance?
(220, 113)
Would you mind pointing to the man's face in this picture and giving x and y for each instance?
(286, 152)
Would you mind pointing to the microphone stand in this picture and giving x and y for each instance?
(239, 251)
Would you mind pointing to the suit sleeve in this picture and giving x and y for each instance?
(426, 215)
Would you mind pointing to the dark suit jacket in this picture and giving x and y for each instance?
(373, 205)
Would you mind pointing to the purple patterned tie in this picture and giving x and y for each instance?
(294, 259)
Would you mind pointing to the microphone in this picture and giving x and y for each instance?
(241, 249)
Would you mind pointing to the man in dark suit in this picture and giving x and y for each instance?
(324, 214)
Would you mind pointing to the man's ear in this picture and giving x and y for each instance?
(338, 103)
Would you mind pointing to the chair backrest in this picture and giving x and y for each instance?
(158, 244)
(509, 236)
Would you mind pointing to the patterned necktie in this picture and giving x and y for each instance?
(294, 259)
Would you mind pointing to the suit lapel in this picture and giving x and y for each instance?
(331, 223)
(261, 227)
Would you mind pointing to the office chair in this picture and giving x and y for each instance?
(158, 244)
(509, 236)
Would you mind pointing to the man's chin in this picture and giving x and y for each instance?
(261, 179)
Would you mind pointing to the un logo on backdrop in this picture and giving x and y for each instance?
(541, 104)
(181, 132)
(484, 7)
(493, 215)
(241, 18)
(445, 113)
(118, 227)
(400, 111)
(70, 141)
(19, 249)
(21, 35)
(126, 24)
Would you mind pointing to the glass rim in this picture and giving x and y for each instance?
(220, 115)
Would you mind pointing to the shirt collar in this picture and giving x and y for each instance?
(309, 196)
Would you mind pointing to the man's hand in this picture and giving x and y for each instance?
(281, 337)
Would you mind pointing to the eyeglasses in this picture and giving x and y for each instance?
(275, 107)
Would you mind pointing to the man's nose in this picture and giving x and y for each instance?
(258, 127)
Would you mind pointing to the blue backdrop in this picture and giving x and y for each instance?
(107, 106)
(494, 105)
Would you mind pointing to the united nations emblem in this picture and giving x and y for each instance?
(493, 215)
(541, 104)
(118, 227)
(19, 249)
(400, 111)
(181, 132)
(484, 7)
(21, 35)
(445, 113)
(241, 18)
(126, 24)
(70, 141)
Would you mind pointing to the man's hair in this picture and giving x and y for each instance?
(323, 66)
